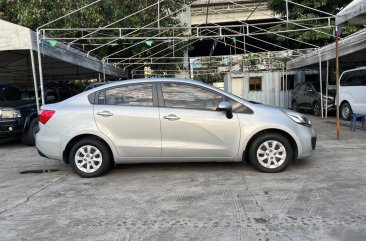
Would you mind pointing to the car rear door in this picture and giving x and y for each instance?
(192, 127)
(129, 116)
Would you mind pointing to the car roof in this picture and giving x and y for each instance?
(148, 80)
(155, 80)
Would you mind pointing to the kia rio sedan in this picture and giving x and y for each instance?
(169, 120)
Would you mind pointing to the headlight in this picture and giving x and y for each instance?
(298, 118)
(9, 113)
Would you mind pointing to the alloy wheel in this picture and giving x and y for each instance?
(271, 154)
(88, 159)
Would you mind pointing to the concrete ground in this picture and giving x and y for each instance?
(319, 198)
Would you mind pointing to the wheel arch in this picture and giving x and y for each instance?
(66, 152)
(343, 102)
(271, 130)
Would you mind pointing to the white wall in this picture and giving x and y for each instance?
(271, 93)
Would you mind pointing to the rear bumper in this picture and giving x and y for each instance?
(48, 143)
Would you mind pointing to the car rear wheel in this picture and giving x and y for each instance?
(270, 153)
(346, 111)
(90, 158)
(29, 137)
(316, 109)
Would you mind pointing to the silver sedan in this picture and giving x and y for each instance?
(169, 120)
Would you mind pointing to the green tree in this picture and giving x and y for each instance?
(298, 12)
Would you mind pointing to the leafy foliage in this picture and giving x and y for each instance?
(298, 12)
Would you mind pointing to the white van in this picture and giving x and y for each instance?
(352, 92)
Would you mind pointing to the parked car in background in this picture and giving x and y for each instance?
(306, 97)
(169, 120)
(18, 110)
(352, 93)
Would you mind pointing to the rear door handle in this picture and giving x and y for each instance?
(105, 113)
(171, 117)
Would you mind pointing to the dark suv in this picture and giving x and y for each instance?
(306, 97)
(18, 110)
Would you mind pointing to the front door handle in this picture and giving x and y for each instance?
(171, 117)
(105, 113)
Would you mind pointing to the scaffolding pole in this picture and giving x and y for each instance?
(321, 85)
(35, 80)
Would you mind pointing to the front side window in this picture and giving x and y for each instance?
(189, 97)
(128, 95)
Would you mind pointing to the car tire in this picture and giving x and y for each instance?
(270, 153)
(90, 158)
(316, 108)
(346, 111)
(29, 137)
(294, 106)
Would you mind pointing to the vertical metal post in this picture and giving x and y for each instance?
(40, 65)
(34, 79)
(337, 84)
(287, 11)
(321, 84)
(326, 91)
(159, 14)
(103, 72)
(286, 90)
(283, 85)
(173, 44)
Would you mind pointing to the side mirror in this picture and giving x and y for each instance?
(227, 107)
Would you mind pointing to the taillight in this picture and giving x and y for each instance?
(45, 116)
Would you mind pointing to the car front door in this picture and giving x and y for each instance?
(192, 127)
(129, 116)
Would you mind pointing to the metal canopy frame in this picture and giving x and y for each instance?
(181, 37)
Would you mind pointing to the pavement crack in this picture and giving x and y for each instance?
(34, 193)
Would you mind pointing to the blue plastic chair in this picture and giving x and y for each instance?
(354, 118)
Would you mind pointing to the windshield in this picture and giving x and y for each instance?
(9, 93)
(13, 93)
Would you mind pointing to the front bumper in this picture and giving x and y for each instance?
(9, 127)
(308, 139)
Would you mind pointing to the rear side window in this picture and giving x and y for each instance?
(127, 95)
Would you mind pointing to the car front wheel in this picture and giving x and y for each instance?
(294, 106)
(29, 137)
(316, 109)
(346, 111)
(270, 152)
(90, 158)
